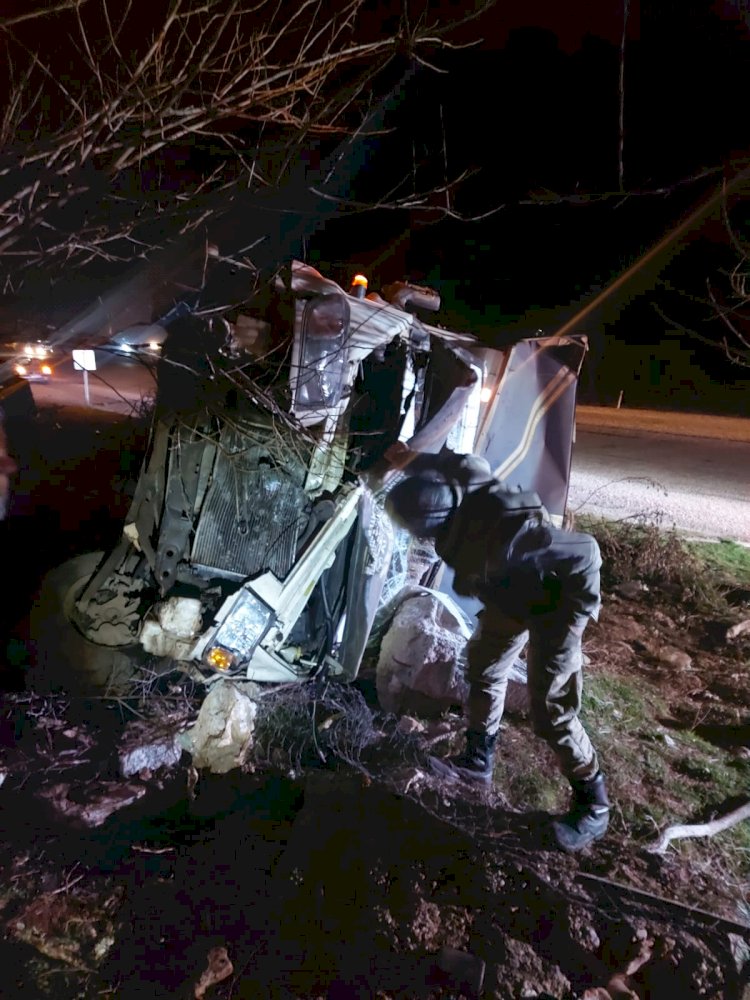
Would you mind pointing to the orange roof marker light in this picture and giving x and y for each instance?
(359, 286)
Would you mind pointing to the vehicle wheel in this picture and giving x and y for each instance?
(62, 658)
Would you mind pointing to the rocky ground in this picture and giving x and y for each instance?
(331, 864)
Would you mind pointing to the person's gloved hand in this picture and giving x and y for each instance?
(395, 458)
(399, 455)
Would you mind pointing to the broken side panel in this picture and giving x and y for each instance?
(451, 378)
(527, 435)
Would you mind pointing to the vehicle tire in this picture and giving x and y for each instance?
(62, 658)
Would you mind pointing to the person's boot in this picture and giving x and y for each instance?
(474, 764)
(588, 817)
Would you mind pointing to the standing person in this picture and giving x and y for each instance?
(538, 584)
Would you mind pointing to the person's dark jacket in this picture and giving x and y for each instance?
(538, 570)
(523, 565)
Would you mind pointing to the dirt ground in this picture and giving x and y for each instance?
(333, 865)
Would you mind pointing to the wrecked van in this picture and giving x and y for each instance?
(256, 544)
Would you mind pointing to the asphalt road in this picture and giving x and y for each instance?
(690, 471)
(118, 385)
(698, 484)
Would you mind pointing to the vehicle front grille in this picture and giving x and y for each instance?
(250, 522)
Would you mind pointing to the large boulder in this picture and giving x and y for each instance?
(420, 667)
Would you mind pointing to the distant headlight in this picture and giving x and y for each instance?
(126, 348)
(21, 370)
(153, 346)
(240, 632)
(46, 370)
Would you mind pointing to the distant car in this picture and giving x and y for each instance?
(143, 339)
(40, 350)
(33, 369)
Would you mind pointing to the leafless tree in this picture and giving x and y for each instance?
(86, 126)
(730, 298)
(723, 312)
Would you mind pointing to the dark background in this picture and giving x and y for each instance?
(523, 123)
(533, 113)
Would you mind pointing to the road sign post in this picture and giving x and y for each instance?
(85, 361)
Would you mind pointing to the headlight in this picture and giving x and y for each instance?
(240, 632)
(46, 370)
(20, 369)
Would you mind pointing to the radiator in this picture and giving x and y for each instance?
(250, 522)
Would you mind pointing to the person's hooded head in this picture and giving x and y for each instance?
(423, 504)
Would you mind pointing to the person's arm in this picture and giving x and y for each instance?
(463, 469)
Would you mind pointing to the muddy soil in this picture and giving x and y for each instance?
(334, 883)
(354, 876)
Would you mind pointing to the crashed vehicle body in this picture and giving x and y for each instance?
(256, 543)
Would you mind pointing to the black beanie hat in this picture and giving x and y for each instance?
(422, 504)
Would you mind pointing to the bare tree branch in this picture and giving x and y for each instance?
(205, 71)
(710, 829)
(8, 22)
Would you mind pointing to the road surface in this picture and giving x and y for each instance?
(700, 484)
(687, 470)
(119, 384)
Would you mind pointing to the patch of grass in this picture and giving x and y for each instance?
(659, 777)
(715, 775)
(656, 776)
(525, 769)
(730, 561)
(619, 712)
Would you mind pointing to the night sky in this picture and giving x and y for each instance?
(533, 112)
